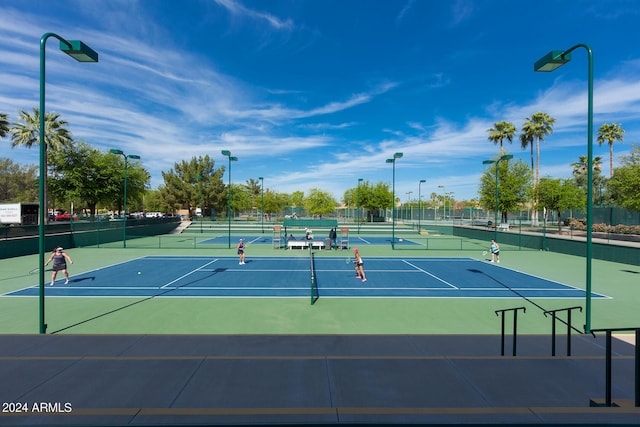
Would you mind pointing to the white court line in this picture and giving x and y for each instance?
(427, 273)
(187, 274)
(258, 271)
(363, 240)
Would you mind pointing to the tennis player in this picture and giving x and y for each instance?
(359, 265)
(495, 251)
(241, 252)
(59, 264)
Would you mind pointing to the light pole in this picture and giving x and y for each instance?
(124, 223)
(451, 200)
(495, 214)
(261, 178)
(81, 53)
(393, 199)
(548, 63)
(444, 203)
(359, 181)
(199, 178)
(409, 193)
(420, 201)
(227, 153)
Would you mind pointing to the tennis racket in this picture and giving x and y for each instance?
(484, 253)
(348, 261)
(37, 269)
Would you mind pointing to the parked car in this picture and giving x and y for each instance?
(65, 217)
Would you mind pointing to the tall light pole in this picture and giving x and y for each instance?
(199, 178)
(261, 178)
(444, 203)
(227, 153)
(409, 193)
(81, 53)
(548, 63)
(495, 214)
(420, 201)
(359, 212)
(393, 199)
(124, 223)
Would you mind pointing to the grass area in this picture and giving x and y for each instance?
(166, 315)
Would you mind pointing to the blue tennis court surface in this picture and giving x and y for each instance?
(174, 276)
(268, 240)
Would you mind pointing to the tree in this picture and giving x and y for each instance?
(241, 198)
(319, 202)
(514, 186)
(88, 177)
(580, 167)
(18, 183)
(610, 132)
(561, 194)
(373, 197)
(296, 201)
(181, 189)
(153, 201)
(501, 131)
(255, 190)
(624, 185)
(27, 133)
(137, 180)
(580, 175)
(275, 202)
(254, 187)
(536, 128)
(526, 140)
(4, 125)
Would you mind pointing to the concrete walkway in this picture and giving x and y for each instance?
(319, 379)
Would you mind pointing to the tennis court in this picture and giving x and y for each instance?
(418, 342)
(289, 277)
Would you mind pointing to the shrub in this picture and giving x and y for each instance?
(581, 224)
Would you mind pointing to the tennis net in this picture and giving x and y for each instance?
(314, 284)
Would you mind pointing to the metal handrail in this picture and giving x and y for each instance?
(515, 327)
(553, 327)
(608, 332)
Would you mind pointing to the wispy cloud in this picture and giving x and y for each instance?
(238, 9)
(148, 96)
(461, 11)
(404, 10)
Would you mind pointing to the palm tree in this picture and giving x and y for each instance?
(27, 133)
(4, 125)
(610, 132)
(536, 128)
(580, 175)
(501, 131)
(56, 135)
(527, 141)
(580, 167)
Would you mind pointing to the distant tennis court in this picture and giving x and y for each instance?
(288, 277)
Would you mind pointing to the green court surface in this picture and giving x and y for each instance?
(193, 315)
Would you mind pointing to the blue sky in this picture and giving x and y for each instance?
(316, 94)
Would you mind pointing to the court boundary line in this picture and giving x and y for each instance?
(565, 288)
(187, 274)
(429, 274)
